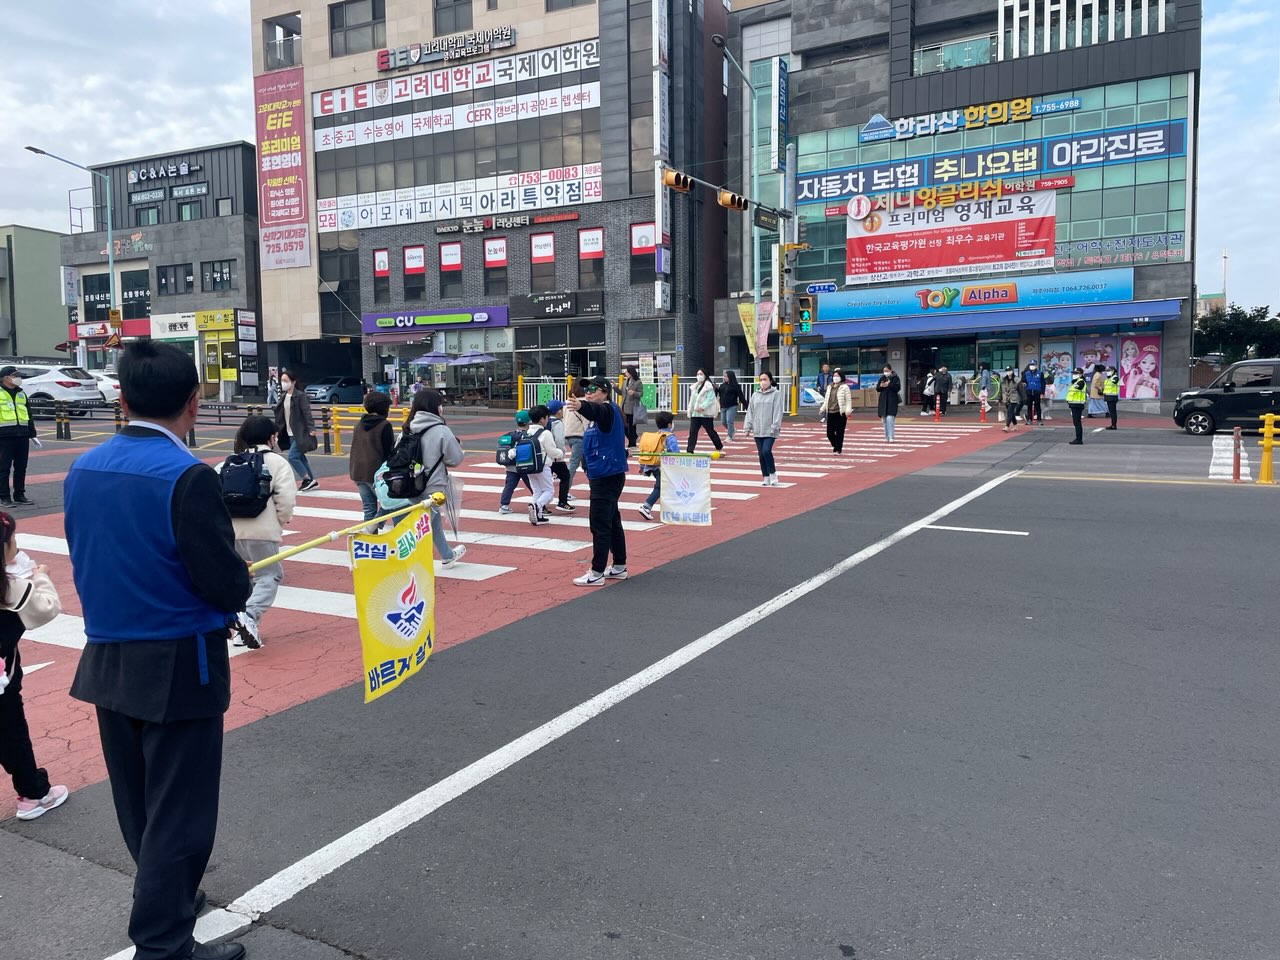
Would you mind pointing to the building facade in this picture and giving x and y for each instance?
(185, 246)
(465, 177)
(32, 320)
(986, 182)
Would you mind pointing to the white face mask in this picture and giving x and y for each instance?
(701, 377)
(16, 381)
(286, 385)
(837, 378)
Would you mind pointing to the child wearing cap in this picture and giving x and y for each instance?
(508, 488)
(560, 468)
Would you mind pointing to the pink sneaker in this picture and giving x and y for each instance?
(31, 809)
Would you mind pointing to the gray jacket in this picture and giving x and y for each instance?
(440, 450)
(764, 413)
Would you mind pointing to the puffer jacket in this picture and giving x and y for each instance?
(844, 399)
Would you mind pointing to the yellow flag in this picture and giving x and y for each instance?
(395, 592)
(747, 316)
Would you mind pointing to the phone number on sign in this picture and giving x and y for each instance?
(293, 246)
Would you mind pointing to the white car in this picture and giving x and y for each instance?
(46, 383)
(108, 385)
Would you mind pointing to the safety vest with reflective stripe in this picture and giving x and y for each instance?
(1075, 392)
(1111, 387)
(13, 410)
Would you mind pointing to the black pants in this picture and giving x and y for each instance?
(629, 428)
(1033, 408)
(702, 423)
(561, 471)
(13, 455)
(607, 535)
(509, 487)
(16, 754)
(164, 781)
(942, 403)
(1112, 402)
(836, 422)
(1011, 414)
(1077, 410)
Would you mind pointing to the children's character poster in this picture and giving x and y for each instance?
(1139, 367)
(1057, 357)
(1091, 351)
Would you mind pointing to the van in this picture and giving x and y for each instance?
(1237, 398)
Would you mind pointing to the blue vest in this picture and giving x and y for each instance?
(1034, 382)
(604, 454)
(124, 556)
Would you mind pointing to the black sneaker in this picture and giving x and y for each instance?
(6, 501)
(565, 507)
(22, 497)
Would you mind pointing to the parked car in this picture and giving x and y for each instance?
(46, 383)
(335, 390)
(1240, 394)
(108, 385)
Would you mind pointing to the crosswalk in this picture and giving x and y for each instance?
(317, 582)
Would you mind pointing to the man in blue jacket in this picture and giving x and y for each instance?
(1034, 381)
(604, 455)
(154, 562)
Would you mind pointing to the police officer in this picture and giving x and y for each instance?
(1076, 400)
(1111, 394)
(156, 664)
(17, 429)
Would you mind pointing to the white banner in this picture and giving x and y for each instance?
(686, 491)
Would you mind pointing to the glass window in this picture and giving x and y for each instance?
(1056, 126)
(1007, 134)
(146, 216)
(175, 278)
(495, 281)
(1151, 171)
(920, 147)
(1151, 112)
(812, 142)
(642, 268)
(135, 294)
(1117, 202)
(1087, 205)
(1121, 116)
(1122, 94)
(948, 142)
(1178, 84)
(382, 289)
(980, 137)
(811, 163)
(1178, 168)
(1177, 109)
(218, 275)
(1151, 223)
(97, 297)
(1061, 230)
(1152, 89)
(591, 274)
(1120, 175)
(1092, 120)
(553, 5)
(842, 158)
(1150, 198)
(639, 336)
(1092, 99)
(842, 138)
(356, 26)
(1086, 230)
(1177, 220)
(1178, 195)
(542, 276)
(1064, 205)
(189, 210)
(874, 153)
(224, 206)
(1089, 178)
(1117, 227)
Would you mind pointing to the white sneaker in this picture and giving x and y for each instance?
(616, 573)
(247, 632)
(765, 482)
(458, 553)
(504, 509)
(533, 514)
(589, 579)
(773, 480)
(645, 511)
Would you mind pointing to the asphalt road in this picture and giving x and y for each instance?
(971, 745)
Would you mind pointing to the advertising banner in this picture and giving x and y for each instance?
(1139, 367)
(747, 317)
(394, 582)
(282, 170)
(429, 320)
(986, 236)
(1091, 351)
(1122, 251)
(764, 323)
(778, 110)
(686, 491)
(1057, 358)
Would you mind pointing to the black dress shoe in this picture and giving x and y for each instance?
(202, 901)
(217, 951)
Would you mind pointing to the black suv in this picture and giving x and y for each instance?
(1240, 394)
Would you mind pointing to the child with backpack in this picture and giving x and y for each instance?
(560, 468)
(652, 445)
(258, 489)
(540, 470)
(371, 443)
(506, 444)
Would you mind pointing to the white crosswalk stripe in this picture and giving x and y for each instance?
(464, 514)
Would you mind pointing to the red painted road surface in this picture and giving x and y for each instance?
(312, 648)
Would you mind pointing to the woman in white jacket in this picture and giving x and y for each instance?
(704, 407)
(259, 537)
(837, 405)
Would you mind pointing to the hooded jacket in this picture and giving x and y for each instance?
(764, 413)
(440, 449)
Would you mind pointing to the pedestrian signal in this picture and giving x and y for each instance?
(732, 201)
(681, 182)
(804, 313)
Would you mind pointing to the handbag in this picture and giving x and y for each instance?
(639, 413)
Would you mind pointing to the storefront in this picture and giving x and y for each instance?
(219, 358)
(403, 339)
(559, 334)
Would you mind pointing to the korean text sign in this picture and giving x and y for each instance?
(394, 583)
(686, 491)
(1006, 235)
(282, 169)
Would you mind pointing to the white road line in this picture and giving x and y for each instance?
(1007, 533)
(67, 630)
(717, 470)
(30, 668)
(292, 880)
(465, 514)
(645, 482)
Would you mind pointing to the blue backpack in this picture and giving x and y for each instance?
(526, 454)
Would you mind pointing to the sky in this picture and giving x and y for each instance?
(97, 82)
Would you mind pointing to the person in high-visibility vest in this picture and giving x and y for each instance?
(17, 429)
(1111, 394)
(1076, 400)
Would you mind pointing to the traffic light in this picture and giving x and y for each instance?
(677, 181)
(804, 313)
(732, 201)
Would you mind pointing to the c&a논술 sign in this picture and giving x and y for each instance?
(282, 170)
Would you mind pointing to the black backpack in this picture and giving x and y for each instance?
(246, 484)
(404, 476)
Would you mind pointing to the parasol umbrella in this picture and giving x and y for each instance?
(432, 357)
(472, 356)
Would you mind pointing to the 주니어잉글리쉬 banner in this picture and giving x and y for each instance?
(686, 491)
(394, 582)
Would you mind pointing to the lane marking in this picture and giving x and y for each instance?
(1007, 533)
(292, 880)
(1087, 478)
(465, 514)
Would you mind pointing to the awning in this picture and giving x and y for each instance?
(941, 323)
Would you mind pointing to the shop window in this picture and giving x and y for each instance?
(97, 297)
(452, 16)
(356, 26)
(224, 206)
(146, 216)
(175, 278)
(189, 210)
(217, 275)
(135, 294)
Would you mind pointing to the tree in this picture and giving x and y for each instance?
(1237, 333)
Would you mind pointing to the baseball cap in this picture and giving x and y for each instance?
(7, 371)
(522, 418)
(554, 406)
(597, 383)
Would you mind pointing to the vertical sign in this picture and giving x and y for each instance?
(778, 117)
(285, 231)
(69, 278)
(661, 14)
(661, 140)
(247, 346)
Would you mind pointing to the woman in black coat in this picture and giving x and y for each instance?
(731, 398)
(296, 429)
(888, 387)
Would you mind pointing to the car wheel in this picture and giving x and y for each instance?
(333, 398)
(1198, 423)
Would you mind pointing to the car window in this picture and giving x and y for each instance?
(1252, 375)
(325, 382)
(27, 373)
(76, 373)
(348, 382)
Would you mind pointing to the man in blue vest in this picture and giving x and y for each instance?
(1033, 379)
(604, 455)
(17, 430)
(154, 562)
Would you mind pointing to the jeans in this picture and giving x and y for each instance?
(836, 422)
(888, 427)
(702, 423)
(764, 446)
(727, 416)
(368, 500)
(266, 582)
(543, 488)
(509, 487)
(437, 535)
(298, 460)
(575, 456)
(607, 535)
(656, 492)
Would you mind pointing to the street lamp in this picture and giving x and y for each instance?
(719, 41)
(111, 247)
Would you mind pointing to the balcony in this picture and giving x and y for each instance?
(282, 42)
(955, 55)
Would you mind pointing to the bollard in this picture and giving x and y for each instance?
(191, 437)
(1235, 455)
(1268, 442)
(66, 422)
(337, 433)
(937, 407)
(57, 420)
(324, 421)
(116, 405)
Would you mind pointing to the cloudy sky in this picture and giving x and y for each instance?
(96, 82)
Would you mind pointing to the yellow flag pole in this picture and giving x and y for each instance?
(436, 498)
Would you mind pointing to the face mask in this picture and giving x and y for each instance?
(701, 377)
(286, 385)
(837, 378)
(16, 381)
